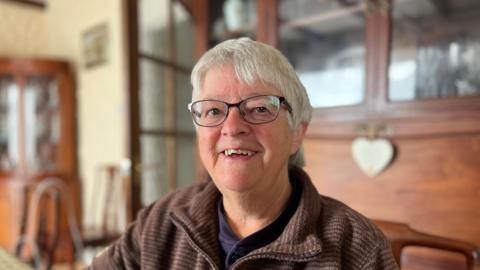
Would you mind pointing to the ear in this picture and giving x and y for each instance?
(298, 137)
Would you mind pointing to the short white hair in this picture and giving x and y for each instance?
(252, 61)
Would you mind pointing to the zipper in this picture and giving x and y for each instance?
(287, 258)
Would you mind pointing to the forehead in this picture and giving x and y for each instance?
(222, 83)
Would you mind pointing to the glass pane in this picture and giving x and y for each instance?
(185, 159)
(41, 122)
(152, 95)
(153, 31)
(9, 154)
(154, 160)
(324, 40)
(183, 97)
(184, 37)
(435, 50)
(152, 98)
(153, 168)
(152, 23)
(233, 19)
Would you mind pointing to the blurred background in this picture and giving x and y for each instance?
(94, 122)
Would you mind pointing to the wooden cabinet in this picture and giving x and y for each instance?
(383, 63)
(367, 61)
(402, 70)
(37, 135)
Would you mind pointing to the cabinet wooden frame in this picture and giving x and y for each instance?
(66, 159)
(407, 117)
(446, 109)
(13, 182)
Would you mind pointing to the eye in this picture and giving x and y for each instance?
(260, 110)
(196, 113)
(213, 112)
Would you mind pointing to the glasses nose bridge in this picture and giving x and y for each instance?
(237, 105)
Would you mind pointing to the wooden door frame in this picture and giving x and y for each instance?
(131, 52)
(134, 129)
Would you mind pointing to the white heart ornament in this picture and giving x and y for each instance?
(372, 156)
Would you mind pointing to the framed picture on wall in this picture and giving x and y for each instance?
(95, 45)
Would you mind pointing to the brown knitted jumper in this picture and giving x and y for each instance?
(180, 231)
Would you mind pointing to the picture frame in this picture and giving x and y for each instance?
(95, 45)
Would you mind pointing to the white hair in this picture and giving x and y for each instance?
(252, 61)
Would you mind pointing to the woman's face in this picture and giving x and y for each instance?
(265, 147)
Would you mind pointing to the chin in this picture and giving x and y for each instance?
(234, 183)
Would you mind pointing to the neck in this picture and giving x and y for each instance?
(249, 212)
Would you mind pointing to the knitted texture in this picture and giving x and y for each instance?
(180, 231)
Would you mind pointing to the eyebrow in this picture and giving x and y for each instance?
(254, 94)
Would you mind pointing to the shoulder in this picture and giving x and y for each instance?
(151, 231)
(340, 218)
(344, 233)
(362, 243)
(346, 237)
(164, 206)
(155, 225)
(332, 217)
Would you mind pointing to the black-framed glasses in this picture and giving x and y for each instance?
(254, 110)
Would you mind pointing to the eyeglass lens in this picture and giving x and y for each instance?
(255, 110)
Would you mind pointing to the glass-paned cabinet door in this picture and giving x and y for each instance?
(324, 40)
(9, 144)
(435, 50)
(42, 122)
(166, 47)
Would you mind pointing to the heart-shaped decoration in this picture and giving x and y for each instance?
(372, 156)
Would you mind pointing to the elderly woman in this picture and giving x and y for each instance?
(260, 209)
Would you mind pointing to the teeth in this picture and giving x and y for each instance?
(230, 152)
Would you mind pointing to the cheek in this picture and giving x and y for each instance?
(277, 143)
(206, 140)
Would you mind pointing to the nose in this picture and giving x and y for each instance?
(234, 124)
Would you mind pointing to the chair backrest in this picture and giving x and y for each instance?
(56, 192)
(108, 196)
(401, 235)
(109, 206)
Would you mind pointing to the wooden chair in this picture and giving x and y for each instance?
(401, 235)
(111, 191)
(49, 196)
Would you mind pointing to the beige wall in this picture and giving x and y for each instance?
(19, 27)
(56, 32)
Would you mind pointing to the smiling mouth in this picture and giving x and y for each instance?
(240, 152)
